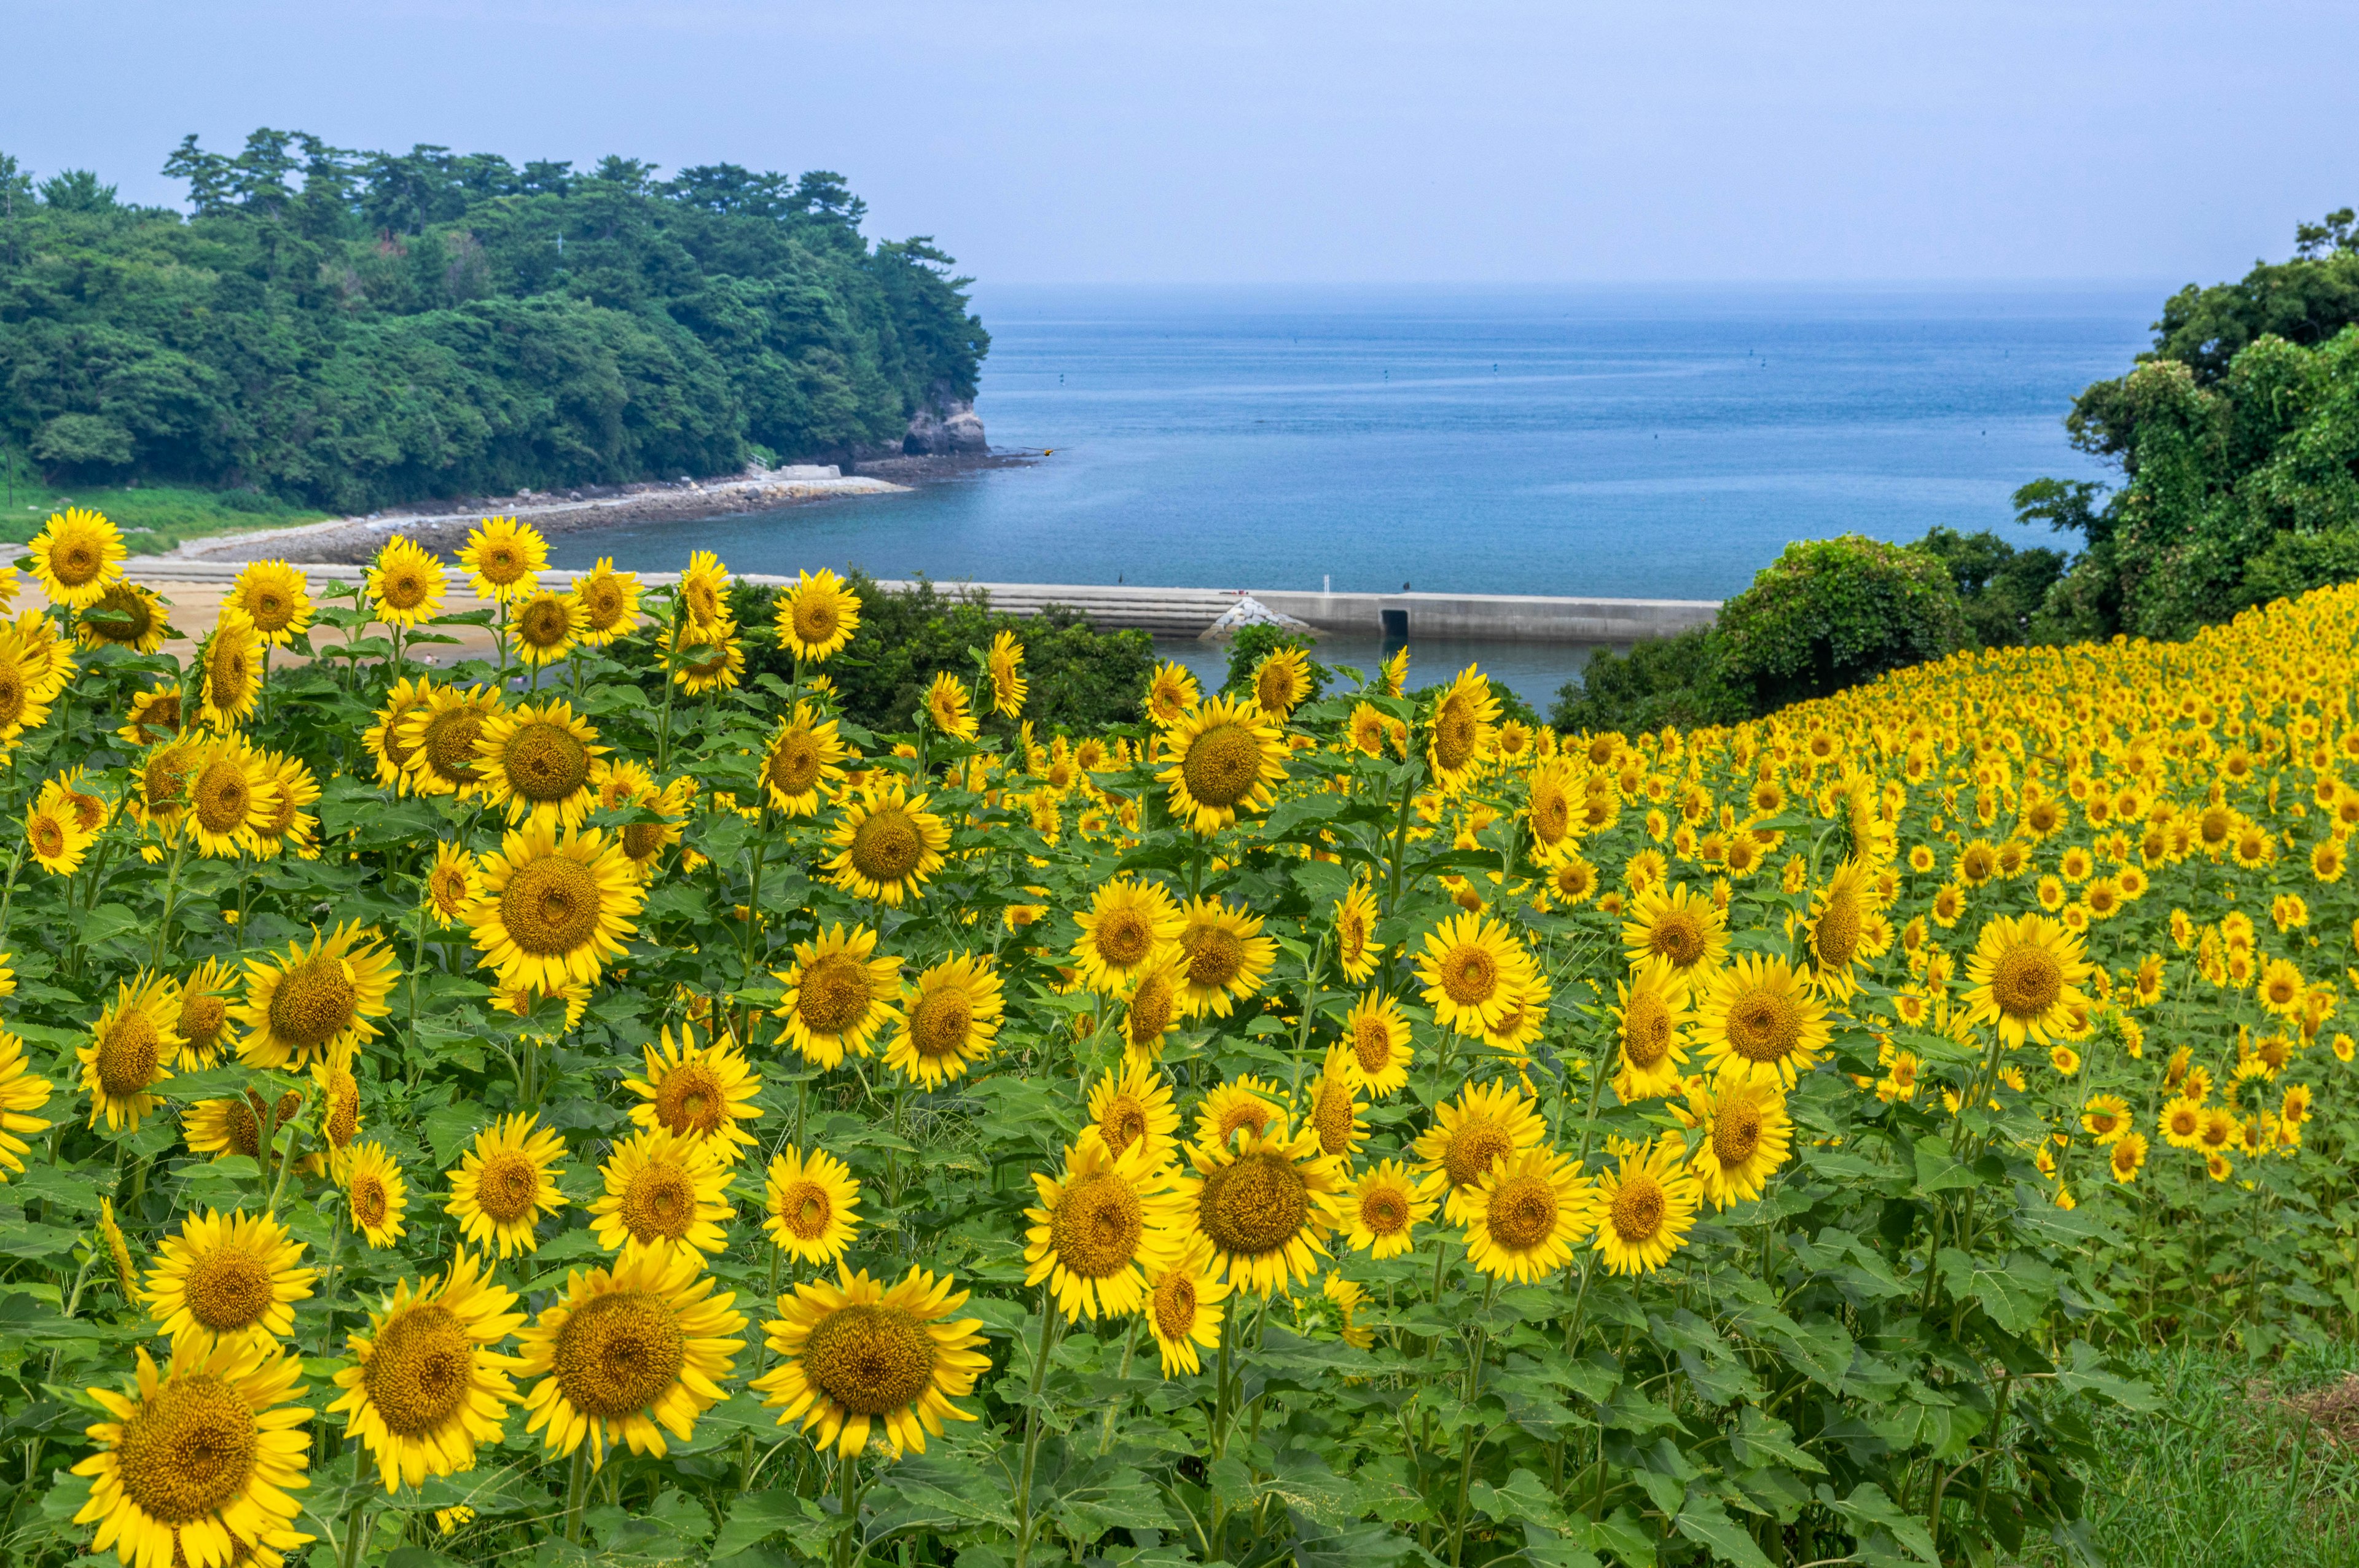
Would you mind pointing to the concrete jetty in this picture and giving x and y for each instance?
(1186, 611)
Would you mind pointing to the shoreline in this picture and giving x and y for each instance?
(442, 526)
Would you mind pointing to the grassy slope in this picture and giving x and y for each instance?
(168, 514)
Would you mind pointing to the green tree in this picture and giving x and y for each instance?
(1828, 613)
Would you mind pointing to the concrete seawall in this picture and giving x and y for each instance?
(1186, 611)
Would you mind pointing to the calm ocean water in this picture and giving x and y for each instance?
(1645, 443)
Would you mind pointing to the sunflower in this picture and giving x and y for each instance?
(76, 557)
(548, 624)
(706, 657)
(1552, 811)
(24, 691)
(1128, 926)
(2024, 972)
(642, 1344)
(277, 597)
(948, 707)
(1356, 948)
(702, 1092)
(810, 1205)
(1840, 914)
(1526, 1213)
(1688, 929)
(1383, 1210)
(154, 716)
(1183, 1309)
(805, 756)
(1154, 1009)
(536, 760)
(555, 911)
(231, 1280)
(437, 737)
(817, 616)
(704, 590)
(1103, 1227)
(888, 845)
(287, 825)
(126, 616)
(838, 996)
(1646, 1208)
(663, 1190)
(340, 1105)
(375, 1193)
(1171, 691)
(858, 1356)
(1378, 1033)
(426, 1389)
(20, 1094)
(57, 843)
(1392, 675)
(501, 559)
(197, 1463)
(1248, 1104)
(2126, 1157)
(1654, 1017)
(1487, 1122)
(1746, 1136)
(1226, 758)
(1134, 1106)
(1227, 958)
(1521, 1021)
(948, 1017)
(504, 1182)
(1266, 1203)
(609, 601)
(452, 884)
(1005, 664)
(1282, 682)
(1334, 1113)
(1760, 1019)
(222, 1127)
(1474, 970)
(1461, 730)
(626, 785)
(126, 1275)
(232, 660)
(2106, 1116)
(231, 794)
(129, 1045)
(315, 1003)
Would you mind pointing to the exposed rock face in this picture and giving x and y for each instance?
(944, 425)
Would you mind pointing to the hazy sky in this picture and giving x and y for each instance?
(1272, 140)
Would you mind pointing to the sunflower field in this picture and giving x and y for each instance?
(588, 1105)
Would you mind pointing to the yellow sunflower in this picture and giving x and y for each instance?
(1378, 1033)
(230, 1281)
(838, 996)
(706, 657)
(225, 1126)
(426, 1389)
(128, 1047)
(547, 626)
(375, 1193)
(232, 795)
(639, 1346)
(1267, 1203)
(704, 591)
(288, 825)
(1746, 1136)
(1526, 1216)
(505, 1181)
(1154, 1008)
(1646, 1208)
(76, 557)
(1103, 1227)
(1005, 662)
(232, 660)
(704, 1092)
(857, 1355)
(1383, 1210)
(1334, 1113)
(25, 690)
(2024, 976)
(1227, 958)
(1474, 970)
(1486, 1123)
(126, 616)
(315, 1003)
(438, 739)
(1760, 1019)
(1128, 925)
(1134, 1106)
(1840, 916)
(1356, 948)
(1226, 758)
(663, 1190)
(817, 616)
(1184, 1311)
(1688, 929)
(154, 716)
(948, 707)
(1461, 730)
(555, 911)
(888, 845)
(1654, 1017)
(502, 557)
(810, 1205)
(1171, 691)
(277, 597)
(536, 760)
(452, 884)
(21, 1094)
(805, 757)
(1282, 682)
(609, 601)
(950, 1016)
(57, 845)
(197, 1463)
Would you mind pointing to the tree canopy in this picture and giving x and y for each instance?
(354, 329)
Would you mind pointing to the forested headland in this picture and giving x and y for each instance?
(355, 330)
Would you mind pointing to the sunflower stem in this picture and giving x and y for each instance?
(846, 1539)
(576, 1491)
(1116, 1407)
(1032, 1426)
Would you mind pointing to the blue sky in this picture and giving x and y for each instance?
(1274, 141)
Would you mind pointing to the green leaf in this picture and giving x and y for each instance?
(1704, 1521)
(1868, 1505)
(756, 1517)
(2006, 1288)
(1938, 1169)
(1765, 1440)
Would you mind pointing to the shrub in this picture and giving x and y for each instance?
(1680, 680)
(1829, 613)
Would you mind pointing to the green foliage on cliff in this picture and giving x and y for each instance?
(356, 329)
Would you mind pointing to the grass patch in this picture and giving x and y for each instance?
(152, 517)
(2245, 1467)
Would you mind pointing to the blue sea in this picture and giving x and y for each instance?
(1659, 443)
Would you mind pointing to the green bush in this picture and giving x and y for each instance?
(1829, 613)
(2000, 588)
(1680, 680)
(2295, 563)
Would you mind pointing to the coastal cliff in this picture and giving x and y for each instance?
(944, 425)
